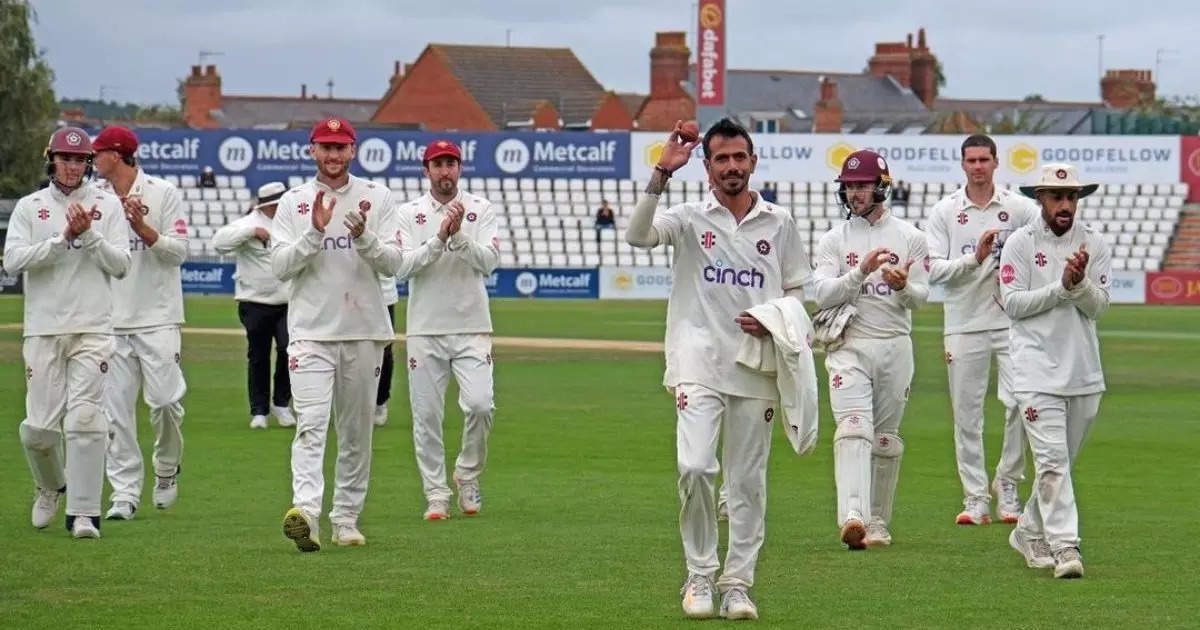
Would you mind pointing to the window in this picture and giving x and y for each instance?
(766, 125)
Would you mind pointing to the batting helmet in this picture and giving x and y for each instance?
(70, 140)
(865, 166)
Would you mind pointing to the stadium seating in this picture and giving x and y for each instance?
(549, 222)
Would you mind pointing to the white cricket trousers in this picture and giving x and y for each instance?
(148, 360)
(431, 359)
(869, 382)
(747, 442)
(1056, 427)
(969, 362)
(64, 377)
(343, 375)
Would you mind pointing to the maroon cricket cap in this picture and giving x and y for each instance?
(334, 131)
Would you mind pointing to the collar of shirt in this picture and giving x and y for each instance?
(1048, 233)
(862, 222)
(322, 186)
(79, 194)
(434, 206)
(711, 204)
(965, 202)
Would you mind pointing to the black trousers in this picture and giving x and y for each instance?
(385, 371)
(264, 322)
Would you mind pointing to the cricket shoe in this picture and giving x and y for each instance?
(84, 526)
(45, 506)
(283, 416)
(347, 536)
(301, 529)
(1008, 504)
(975, 512)
(878, 534)
(258, 422)
(121, 511)
(854, 533)
(470, 500)
(1068, 563)
(166, 490)
(437, 510)
(381, 415)
(736, 604)
(1035, 550)
(697, 594)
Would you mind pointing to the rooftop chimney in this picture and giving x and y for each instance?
(1125, 88)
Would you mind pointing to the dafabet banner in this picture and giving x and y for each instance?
(929, 158)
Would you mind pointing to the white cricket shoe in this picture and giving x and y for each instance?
(854, 533)
(736, 604)
(347, 536)
(470, 500)
(258, 422)
(437, 510)
(283, 416)
(1008, 504)
(1068, 563)
(301, 529)
(697, 593)
(878, 534)
(381, 415)
(166, 491)
(975, 512)
(45, 507)
(83, 527)
(1036, 551)
(121, 511)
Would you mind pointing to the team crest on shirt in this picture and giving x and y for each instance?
(1003, 216)
(104, 367)
(1103, 278)
(420, 219)
(763, 247)
(963, 218)
(768, 414)
(708, 239)
(471, 216)
(1008, 273)
(852, 259)
(302, 208)
(364, 205)
(181, 227)
(43, 214)
(837, 381)
(1031, 414)
(1040, 259)
(96, 214)
(894, 258)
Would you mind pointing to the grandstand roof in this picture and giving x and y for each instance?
(278, 112)
(1052, 117)
(508, 81)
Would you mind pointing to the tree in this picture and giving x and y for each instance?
(27, 106)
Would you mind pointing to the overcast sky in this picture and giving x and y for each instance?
(136, 50)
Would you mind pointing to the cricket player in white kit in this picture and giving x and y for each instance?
(449, 241)
(966, 231)
(332, 238)
(262, 307)
(70, 241)
(733, 251)
(147, 314)
(879, 264)
(1054, 280)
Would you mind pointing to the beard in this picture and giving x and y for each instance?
(331, 170)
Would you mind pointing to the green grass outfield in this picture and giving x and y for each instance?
(579, 527)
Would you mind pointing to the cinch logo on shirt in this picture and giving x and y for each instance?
(738, 277)
(876, 288)
(969, 248)
(337, 242)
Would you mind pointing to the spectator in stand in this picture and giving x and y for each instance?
(768, 192)
(207, 178)
(605, 218)
(900, 194)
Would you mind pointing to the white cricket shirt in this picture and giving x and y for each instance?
(253, 281)
(68, 285)
(720, 269)
(882, 312)
(447, 282)
(335, 292)
(151, 295)
(953, 229)
(1053, 339)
